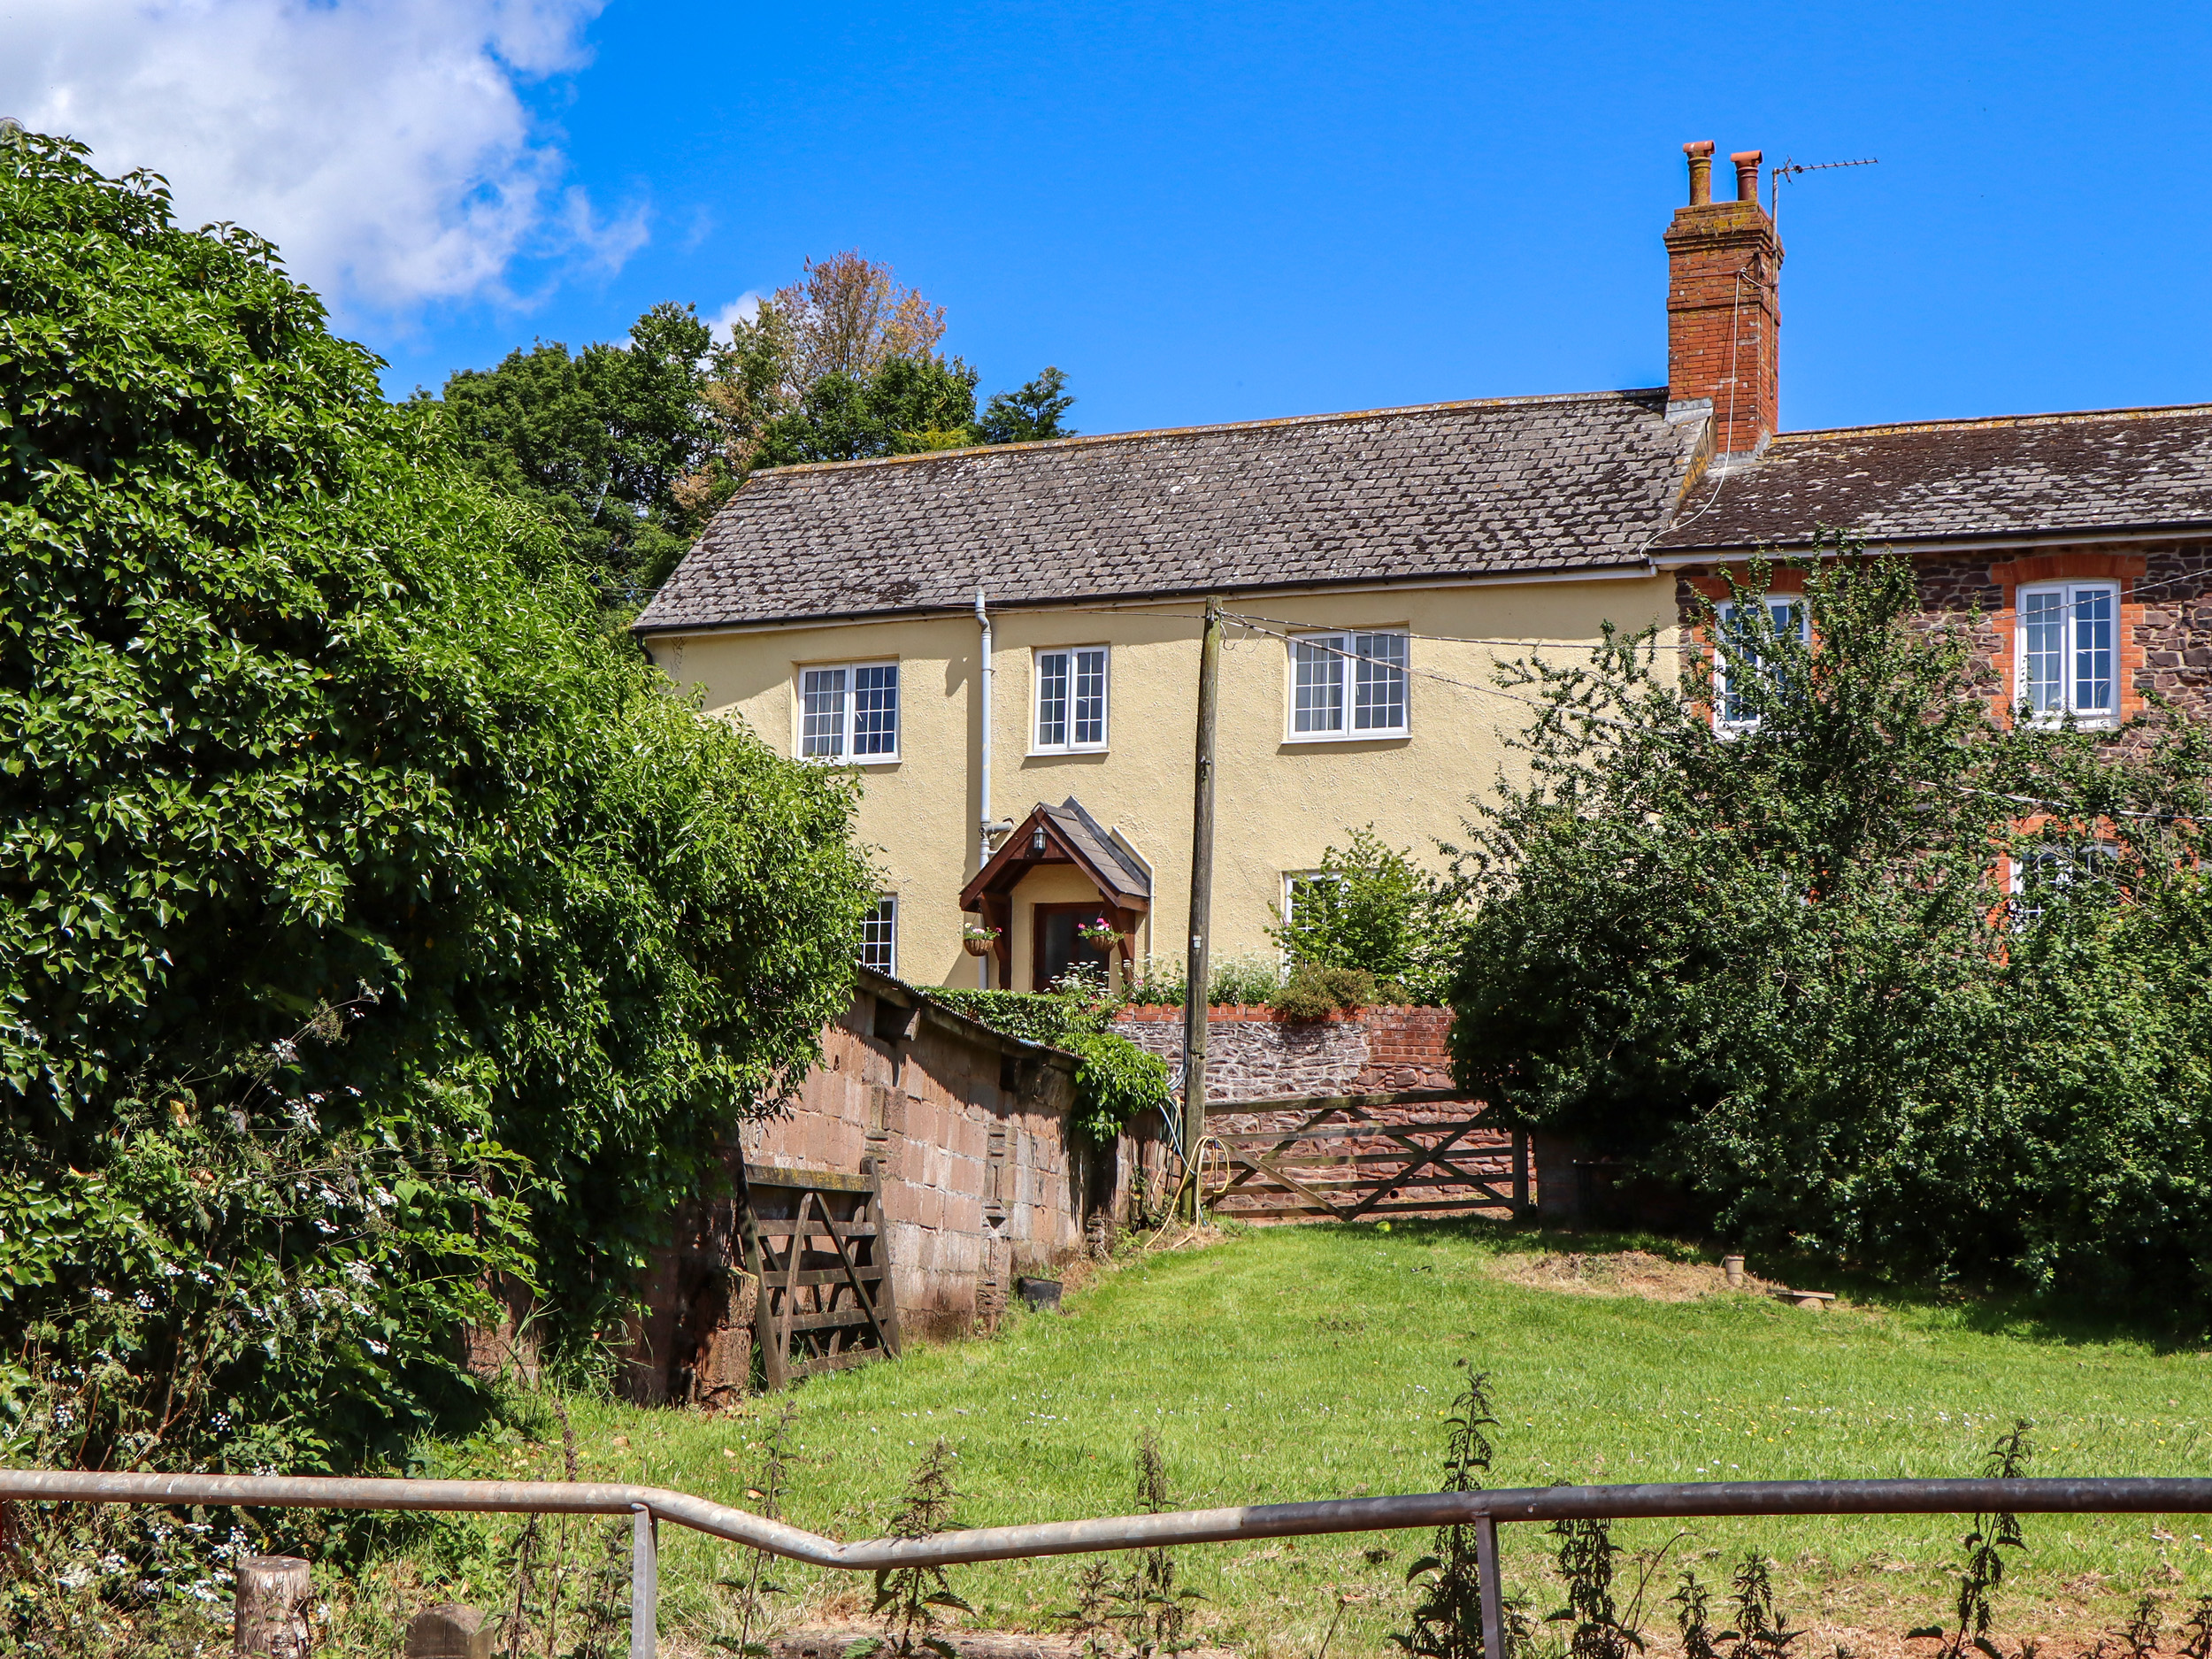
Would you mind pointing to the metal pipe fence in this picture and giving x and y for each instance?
(1484, 1511)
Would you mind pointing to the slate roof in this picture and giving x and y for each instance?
(1442, 490)
(2104, 470)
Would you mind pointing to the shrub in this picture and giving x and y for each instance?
(374, 920)
(1370, 907)
(1248, 978)
(1782, 964)
(1315, 993)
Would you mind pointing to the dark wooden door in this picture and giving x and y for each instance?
(1053, 946)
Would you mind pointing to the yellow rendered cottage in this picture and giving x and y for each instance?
(1004, 641)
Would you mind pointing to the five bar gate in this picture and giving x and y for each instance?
(1483, 1510)
(815, 1243)
(1358, 1158)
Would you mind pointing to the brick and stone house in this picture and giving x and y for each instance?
(925, 618)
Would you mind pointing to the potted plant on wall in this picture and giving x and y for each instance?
(1099, 933)
(977, 940)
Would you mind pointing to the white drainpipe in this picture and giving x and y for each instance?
(983, 837)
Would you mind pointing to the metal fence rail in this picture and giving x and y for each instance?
(1484, 1511)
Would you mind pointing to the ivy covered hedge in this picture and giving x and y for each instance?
(373, 921)
(1115, 1082)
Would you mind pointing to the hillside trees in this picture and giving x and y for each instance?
(373, 922)
(619, 445)
(843, 365)
(629, 447)
(1788, 965)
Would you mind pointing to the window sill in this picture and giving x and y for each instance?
(1300, 740)
(2081, 723)
(836, 762)
(1065, 754)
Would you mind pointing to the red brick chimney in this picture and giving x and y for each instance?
(1723, 312)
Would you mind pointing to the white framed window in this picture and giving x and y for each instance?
(879, 936)
(1070, 699)
(849, 712)
(1737, 668)
(1301, 888)
(1348, 684)
(2068, 648)
(2037, 872)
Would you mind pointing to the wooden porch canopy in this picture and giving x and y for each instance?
(1063, 834)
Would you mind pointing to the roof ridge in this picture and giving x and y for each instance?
(1082, 440)
(2060, 416)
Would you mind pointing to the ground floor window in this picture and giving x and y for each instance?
(2040, 871)
(879, 936)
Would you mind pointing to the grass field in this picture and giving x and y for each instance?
(1317, 1362)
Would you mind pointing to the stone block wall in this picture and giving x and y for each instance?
(984, 1179)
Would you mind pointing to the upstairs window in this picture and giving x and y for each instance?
(849, 712)
(2067, 651)
(1070, 699)
(1745, 661)
(1348, 684)
(879, 936)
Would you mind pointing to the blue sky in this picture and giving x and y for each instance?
(1238, 212)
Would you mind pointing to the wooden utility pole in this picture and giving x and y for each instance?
(1202, 901)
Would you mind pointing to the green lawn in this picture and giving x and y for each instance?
(1316, 1361)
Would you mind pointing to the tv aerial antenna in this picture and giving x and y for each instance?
(1791, 169)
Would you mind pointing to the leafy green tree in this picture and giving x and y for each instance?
(1783, 962)
(619, 444)
(843, 365)
(1028, 416)
(1370, 907)
(903, 407)
(373, 921)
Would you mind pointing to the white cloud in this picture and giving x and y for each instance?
(383, 145)
(743, 309)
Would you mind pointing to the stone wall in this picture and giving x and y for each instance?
(1253, 1052)
(984, 1179)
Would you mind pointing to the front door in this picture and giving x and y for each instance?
(1054, 948)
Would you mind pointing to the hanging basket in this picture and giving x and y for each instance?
(977, 941)
(1103, 939)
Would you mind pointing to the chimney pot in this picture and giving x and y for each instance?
(1700, 155)
(1747, 174)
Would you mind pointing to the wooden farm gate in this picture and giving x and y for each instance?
(1359, 1157)
(816, 1244)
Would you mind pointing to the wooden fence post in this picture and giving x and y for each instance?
(451, 1631)
(271, 1606)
